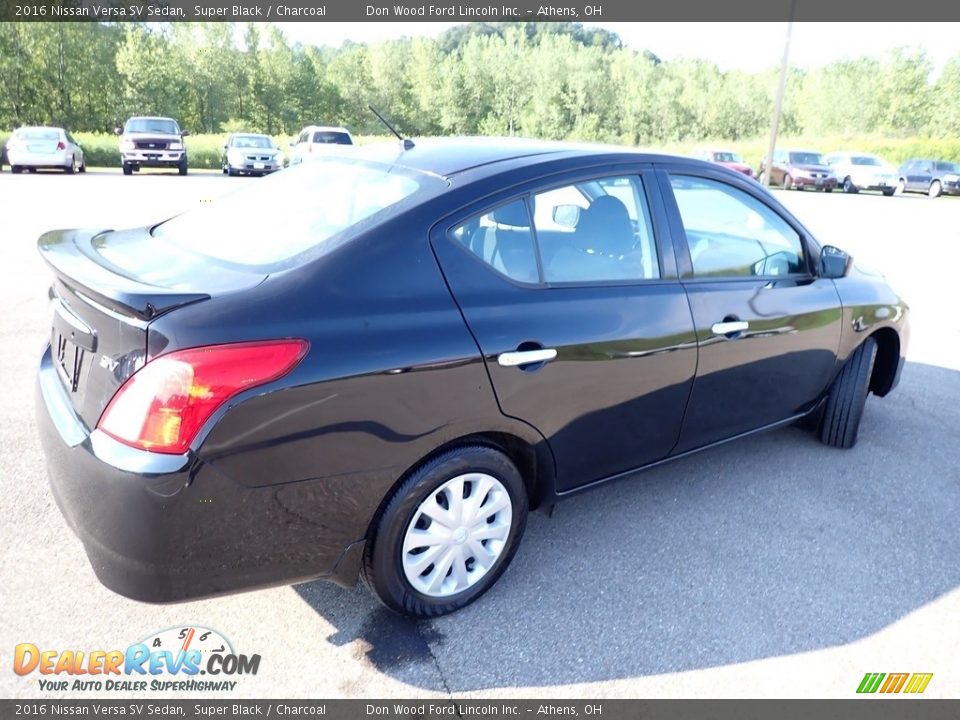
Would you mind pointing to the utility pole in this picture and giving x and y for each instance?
(778, 102)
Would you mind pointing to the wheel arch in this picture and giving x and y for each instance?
(887, 361)
(534, 461)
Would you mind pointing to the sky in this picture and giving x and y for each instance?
(732, 46)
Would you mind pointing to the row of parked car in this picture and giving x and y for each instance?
(795, 169)
(159, 142)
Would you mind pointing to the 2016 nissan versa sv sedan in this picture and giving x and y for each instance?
(428, 343)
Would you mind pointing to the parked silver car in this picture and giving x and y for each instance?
(34, 148)
(250, 154)
(862, 171)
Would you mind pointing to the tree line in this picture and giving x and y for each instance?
(560, 80)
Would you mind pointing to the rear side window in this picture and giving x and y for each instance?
(732, 234)
(331, 200)
(596, 231)
(503, 240)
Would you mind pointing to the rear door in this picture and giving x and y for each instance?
(768, 329)
(576, 307)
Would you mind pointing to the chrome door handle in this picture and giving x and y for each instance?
(729, 328)
(526, 357)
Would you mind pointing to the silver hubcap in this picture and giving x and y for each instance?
(457, 534)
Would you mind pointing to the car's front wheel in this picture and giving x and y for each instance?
(935, 189)
(840, 423)
(182, 167)
(447, 533)
(849, 187)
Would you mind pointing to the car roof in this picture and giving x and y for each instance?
(447, 157)
(325, 128)
(150, 117)
(39, 127)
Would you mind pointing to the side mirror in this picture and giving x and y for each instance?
(225, 147)
(118, 131)
(834, 263)
(566, 215)
(184, 133)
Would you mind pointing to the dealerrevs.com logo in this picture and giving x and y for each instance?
(186, 659)
(909, 683)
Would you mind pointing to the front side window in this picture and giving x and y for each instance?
(730, 233)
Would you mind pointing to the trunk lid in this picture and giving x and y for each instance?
(108, 287)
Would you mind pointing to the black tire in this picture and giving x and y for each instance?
(888, 192)
(849, 187)
(788, 182)
(232, 173)
(127, 169)
(382, 569)
(847, 398)
(182, 168)
(16, 169)
(828, 190)
(72, 167)
(83, 167)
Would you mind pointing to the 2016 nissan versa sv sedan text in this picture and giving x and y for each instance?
(425, 345)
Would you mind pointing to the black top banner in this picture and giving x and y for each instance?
(441, 708)
(475, 10)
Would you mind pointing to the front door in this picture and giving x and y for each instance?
(585, 329)
(767, 328)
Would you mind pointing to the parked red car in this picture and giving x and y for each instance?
(727, 158)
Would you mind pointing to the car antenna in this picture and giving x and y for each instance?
(406, 142)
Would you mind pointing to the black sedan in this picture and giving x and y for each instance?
(428, 343)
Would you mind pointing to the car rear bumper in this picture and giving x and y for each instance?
(159, 158)
(25, 158)
(166, 528)
(805, 182)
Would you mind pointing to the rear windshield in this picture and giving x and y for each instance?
(39, 134)
(251, 141)
(303, 211)
(332, 138)
(726, 157)
(806, 158)
(152, 125)
(864, 160)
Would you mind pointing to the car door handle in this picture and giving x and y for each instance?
(526, 357)
(730, 327)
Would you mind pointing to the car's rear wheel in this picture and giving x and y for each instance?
(447, 533)
(83, 166)
(935, 189)
(72, 167)
(788, 182)
(232, 173)
(847, 397)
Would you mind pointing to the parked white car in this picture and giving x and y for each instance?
(862, 171)
(316, 140)
(34, 148)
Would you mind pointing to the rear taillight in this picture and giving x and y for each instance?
(61, 145)
(163, 405)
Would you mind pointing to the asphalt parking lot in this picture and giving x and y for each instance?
(770, 567)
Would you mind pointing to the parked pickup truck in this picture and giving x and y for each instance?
(152, 142)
